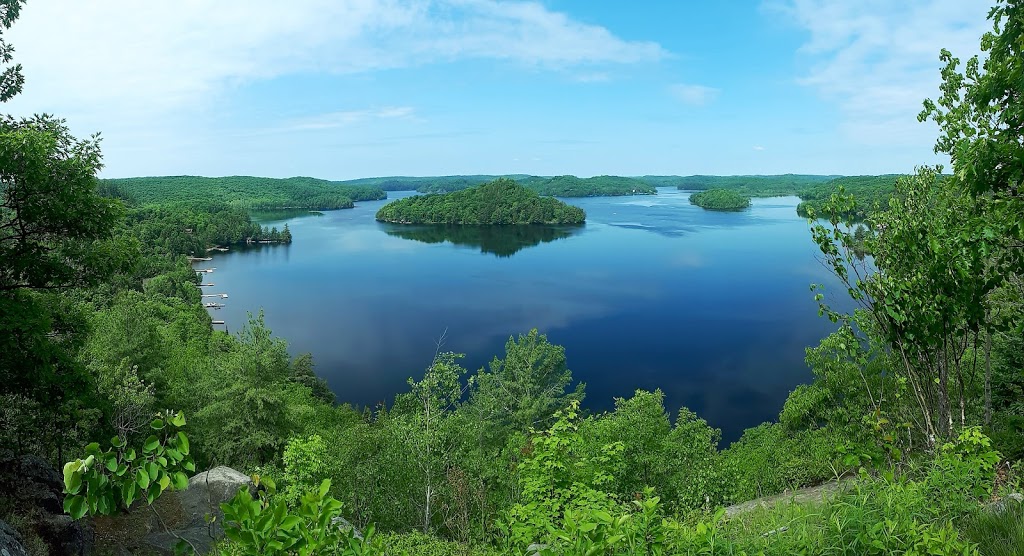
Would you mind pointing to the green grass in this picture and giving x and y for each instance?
(998, 534)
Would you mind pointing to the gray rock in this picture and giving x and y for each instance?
(1006, 502)
(10, 541)
(36, 489)
(344, 526)
(191, 516)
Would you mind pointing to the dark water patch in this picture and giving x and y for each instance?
(501, 241)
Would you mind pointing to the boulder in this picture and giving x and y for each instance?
(36, 491)
(191, 516)
(10, 541)
(1006, 502)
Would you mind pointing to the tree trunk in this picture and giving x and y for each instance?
(988, 377)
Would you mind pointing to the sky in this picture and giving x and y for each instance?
(342, 89)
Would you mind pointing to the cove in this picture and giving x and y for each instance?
(713, 308)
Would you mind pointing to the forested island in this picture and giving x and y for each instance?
(115, 389)
(720, 199)
(870, 192)
(500, 202)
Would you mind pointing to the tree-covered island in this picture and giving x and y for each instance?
(499, 202)
(720, 199)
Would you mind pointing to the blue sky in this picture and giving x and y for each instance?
(352, 88)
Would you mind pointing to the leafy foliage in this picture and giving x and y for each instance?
(108, 481)
(264, 527)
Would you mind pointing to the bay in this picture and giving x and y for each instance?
(713, 308)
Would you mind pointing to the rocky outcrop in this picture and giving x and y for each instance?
(36, 491)
(10, 541)
(191, 516)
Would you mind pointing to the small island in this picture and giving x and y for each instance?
(720, 199)
(500, 202)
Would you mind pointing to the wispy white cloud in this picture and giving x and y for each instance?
(124, 59)
(592, 77)
(879, 59)
(333, 120)
(758, 148)
(694, 95)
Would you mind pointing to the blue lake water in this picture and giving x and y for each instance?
(713, 308)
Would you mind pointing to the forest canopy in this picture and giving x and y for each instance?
(244, 191)
(499, 202)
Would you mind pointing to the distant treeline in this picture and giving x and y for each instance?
(502, 201)
(243, 191)
(554, 186)
(751, 186)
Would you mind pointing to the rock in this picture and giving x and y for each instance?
(10, 541)
(344, 526)
(1004, 503)
(36, 491)
(175, 517)
(535, 549)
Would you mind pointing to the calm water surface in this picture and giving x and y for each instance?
(712, 308)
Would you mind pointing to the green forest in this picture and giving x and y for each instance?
(243, 191)
(720, 199)
(500, 202)
(556, 186)
(752, 186)
(111, 372)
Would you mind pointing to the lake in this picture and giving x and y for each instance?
(713, 308)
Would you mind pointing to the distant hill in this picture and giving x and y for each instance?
(555, 186)
(499, 202)
(243, 191)
(753, 186)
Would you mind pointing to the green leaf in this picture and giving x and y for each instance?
(182, 443)
(75, 506)
(178, 420)
(157, 424)
(142, 479)
(151, 444)
(180, 481)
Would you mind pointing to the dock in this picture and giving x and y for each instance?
(204, 285)
(220, 295)
(199, 259)
(206, 270)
